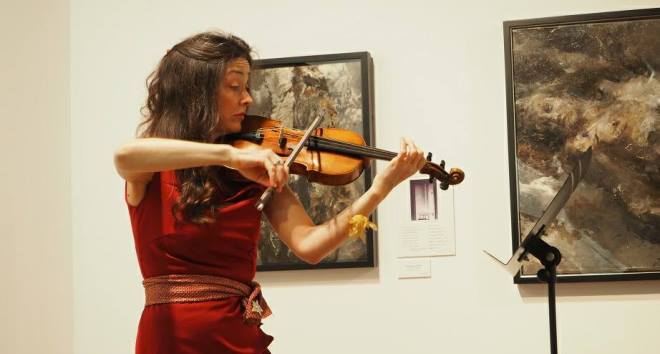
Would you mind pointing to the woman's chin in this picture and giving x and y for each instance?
(235, 128)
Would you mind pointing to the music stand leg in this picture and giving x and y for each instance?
(550, 257)
(549, 275)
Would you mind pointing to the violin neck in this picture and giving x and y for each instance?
(318, 143)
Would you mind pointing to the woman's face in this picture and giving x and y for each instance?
(233, 96)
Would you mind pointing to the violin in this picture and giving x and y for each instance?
(330, 156)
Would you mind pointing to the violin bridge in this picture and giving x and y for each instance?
(282, 139)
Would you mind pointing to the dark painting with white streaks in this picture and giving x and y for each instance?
(578, 85)
(294, 94)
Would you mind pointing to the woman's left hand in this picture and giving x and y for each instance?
(408, 162)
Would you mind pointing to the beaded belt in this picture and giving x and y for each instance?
(194, 288)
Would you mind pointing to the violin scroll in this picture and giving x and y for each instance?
(456, 176)
(435, 171)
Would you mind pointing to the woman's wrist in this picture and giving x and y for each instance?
(227, 155)
(380, 187)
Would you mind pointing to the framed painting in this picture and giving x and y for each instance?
(292, 90)
(578, 81)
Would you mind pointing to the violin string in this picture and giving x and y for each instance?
(333, 144)
(372, 152)
(330, 144)
(358, 149)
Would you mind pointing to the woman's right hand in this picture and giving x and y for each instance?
(261, 166)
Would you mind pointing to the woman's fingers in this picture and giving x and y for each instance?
(282, 175)
(420, 159)
(403, 150)
(412, 154)
(279, 174)
(270, 167)
(264, 167)
(409, 149)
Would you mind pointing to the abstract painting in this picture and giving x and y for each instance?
(575, 82)
(293, 90)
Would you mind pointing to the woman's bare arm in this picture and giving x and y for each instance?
(308, 241)
(142, 157)
(311, 242)
(137, 161)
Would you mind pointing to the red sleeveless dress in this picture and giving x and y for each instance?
(226, 248)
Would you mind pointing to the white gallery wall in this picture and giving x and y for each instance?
(36, 294)
(439, 79)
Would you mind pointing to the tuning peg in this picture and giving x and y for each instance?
(444, 185)
(428, 158)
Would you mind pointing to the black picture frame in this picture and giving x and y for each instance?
(289, 89)
(570, 84)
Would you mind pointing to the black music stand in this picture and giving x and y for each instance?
(549, 256)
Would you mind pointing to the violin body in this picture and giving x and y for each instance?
(325, 167)
(331, 156)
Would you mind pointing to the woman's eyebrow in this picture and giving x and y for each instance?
(235, 71)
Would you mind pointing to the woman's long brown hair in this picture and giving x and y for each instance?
(182, 104)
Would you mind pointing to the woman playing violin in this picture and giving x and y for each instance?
(195, 231)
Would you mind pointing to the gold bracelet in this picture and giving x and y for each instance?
(357, 226)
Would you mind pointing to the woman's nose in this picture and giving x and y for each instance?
(247, 98)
